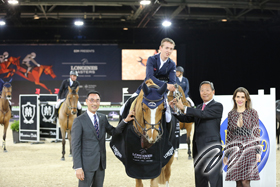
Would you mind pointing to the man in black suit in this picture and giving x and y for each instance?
(207, 119)
(88, 142)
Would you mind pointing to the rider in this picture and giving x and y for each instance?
(161, 69)
(1, 88)
(4, 57)
(73, 83)
(183, 82)
(26, 61)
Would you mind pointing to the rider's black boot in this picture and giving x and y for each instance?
(55, 116)
(12, 115)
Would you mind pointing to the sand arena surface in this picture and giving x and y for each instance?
(39, 165)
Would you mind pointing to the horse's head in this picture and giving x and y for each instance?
(7, 91)
(72, 99)
(148, 112)
(49, 71)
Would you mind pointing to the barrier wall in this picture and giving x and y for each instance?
(265, 106)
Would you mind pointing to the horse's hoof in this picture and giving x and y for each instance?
(5, 151)
(278, 148)
(70, 155)
(190, 158)
(63, 159)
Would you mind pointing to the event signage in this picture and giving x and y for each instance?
(28, 118)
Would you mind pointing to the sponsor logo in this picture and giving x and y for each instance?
(152, 104)
(116, 151)
(28, 113)
(169, 153)
(47, 112)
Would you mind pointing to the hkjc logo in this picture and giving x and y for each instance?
(264, 142)
(47, 112)
(28, 113)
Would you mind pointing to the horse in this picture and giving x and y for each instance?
(4, 68)
(67, 114)
(147, 123)
(35, 74)
(5, 111)
(277, 122)
(179, 94)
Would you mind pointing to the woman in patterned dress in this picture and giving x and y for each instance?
(243, 150)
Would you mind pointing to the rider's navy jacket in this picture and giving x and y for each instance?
(184, 84)
(168, 70)
(63, 90)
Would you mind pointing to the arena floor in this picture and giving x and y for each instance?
(39, 165)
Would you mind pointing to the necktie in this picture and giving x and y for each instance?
(203, 106)
(96, 125)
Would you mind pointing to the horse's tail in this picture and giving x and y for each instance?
(161, 178)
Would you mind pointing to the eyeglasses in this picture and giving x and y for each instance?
(93, 101)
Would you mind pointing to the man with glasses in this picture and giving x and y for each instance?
(88, 142)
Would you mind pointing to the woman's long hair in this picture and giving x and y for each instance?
(248, 104)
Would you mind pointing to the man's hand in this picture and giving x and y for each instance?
(225, 161)
(80, 174)
(258, 157)
(171, 87)
(130, 116)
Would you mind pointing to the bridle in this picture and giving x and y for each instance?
(69, 106)
(177, 95)
(151, 126)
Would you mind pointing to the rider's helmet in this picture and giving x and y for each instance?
(33, 55)
(5, 54)
(74, 72)
(180, 68)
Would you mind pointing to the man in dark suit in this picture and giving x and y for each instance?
(88, 142)
(207, 119)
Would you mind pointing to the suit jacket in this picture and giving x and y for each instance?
(63, 90)
(184, 84)
(207, 125)
(153, 71)
(88, 150)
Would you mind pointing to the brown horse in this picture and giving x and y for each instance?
(5, 112)
(35, 74)
(147, 123)
(179, 94)
(67, 114)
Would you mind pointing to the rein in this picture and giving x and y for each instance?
(144, 129)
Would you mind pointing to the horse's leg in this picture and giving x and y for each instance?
(277, 133)
(139, 183)
(154, 182)
(4, 136)
(189, 129)
(63, 132)
(43, 85)
(167, 171)
(69, 140)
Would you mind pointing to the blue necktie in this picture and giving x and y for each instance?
(96, 125)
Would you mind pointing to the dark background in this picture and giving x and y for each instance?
(243, 51)
(230, 58)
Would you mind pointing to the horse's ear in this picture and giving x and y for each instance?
(69, 89)
(77, 89)
(146, 89)
(162, 89)
(10, 80)
(2, 81)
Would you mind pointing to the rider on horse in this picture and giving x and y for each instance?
(183, 82)
(26, 62)
(1, 88)
(160, 68)
(73, 83)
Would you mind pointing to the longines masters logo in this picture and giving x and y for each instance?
(47, 112)
(28, 113)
